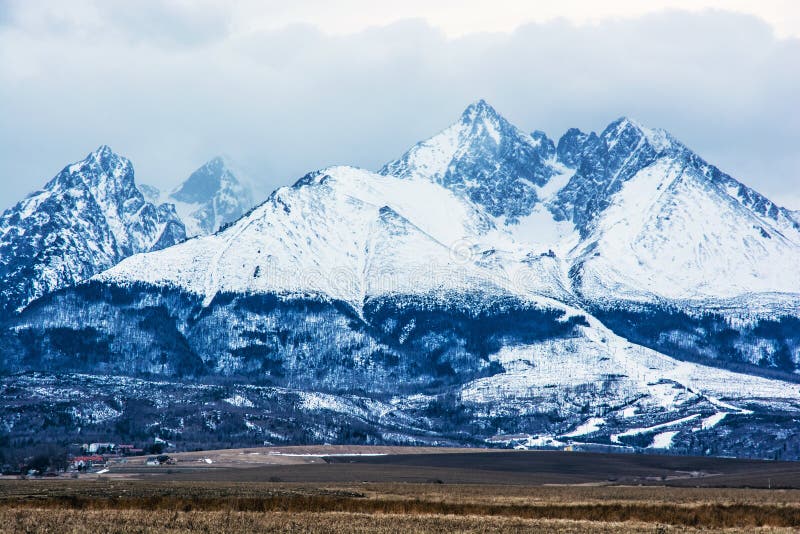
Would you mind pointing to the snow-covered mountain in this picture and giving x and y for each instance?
(85, 220)
(489, 286)
(211, 197)
(637, 221)
(675, 254)
(632, 211)
(676, 231)
(341, 233)
(657, 221)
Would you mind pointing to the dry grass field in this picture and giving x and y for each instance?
(390, 494)
(139, 521)
(175, 506)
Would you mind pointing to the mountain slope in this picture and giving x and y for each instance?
(621, 387)
(342, 233)
(590, 390)
(344, 266)
(85, 220)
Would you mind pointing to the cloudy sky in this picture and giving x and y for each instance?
(287, 87)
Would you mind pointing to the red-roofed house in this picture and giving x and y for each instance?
(85, 462)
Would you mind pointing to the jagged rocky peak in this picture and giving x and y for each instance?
(619, 139)
(86, 219)
(603, 163)
(486, 158)
(547, 146)
(211, 197)
(576, 145)
(485, 126)
(480, 111)
(103, 170)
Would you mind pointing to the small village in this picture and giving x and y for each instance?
(89, 458)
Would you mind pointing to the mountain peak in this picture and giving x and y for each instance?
(622, 126)
(212, 196)
(486, 158)
(101, 170)
(98, 217)
(219, 163)
(103, 150)
(479, 109)
(658, 138)
(105, 157)
(623, 122)
(205, 182)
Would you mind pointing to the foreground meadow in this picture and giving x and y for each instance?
(144, 521)
(117, 505)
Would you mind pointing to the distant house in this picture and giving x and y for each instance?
(87, 462)
(126, 449)
(101, 447)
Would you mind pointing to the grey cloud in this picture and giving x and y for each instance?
(285, 102)
(5, 14)
(167, 23)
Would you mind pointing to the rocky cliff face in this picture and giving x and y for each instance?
(85, 220)
(483, 156)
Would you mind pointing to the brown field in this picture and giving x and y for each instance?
(292, 455)
(137, 521)
(127, 521)
(513, 493)
(324, 464)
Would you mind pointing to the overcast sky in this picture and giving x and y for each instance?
(287, 87)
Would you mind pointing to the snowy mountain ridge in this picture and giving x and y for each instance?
(343, 233)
